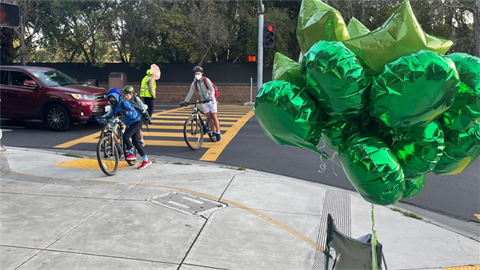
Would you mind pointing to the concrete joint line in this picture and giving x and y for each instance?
(74, 227)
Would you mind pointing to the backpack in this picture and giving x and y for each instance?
(205, 82)
(139, 107)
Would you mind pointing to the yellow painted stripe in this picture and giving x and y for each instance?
(176, 143)
(256, 213)
(215, 151)
(162, 134)
(179, 121)
(90, 164)
(154, 127)
(477, 215)
(91, 137)
(185, 118)
(466, 267)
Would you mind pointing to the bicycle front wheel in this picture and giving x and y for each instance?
(193, 133)
(107, 156)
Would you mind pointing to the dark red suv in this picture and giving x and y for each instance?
(47, 94)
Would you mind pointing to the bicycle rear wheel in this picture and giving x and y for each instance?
(107, 156)
(193, 133)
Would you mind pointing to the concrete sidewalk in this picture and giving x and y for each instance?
(62, 212)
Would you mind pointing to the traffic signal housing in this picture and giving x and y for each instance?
(9, 15)
(269, 35)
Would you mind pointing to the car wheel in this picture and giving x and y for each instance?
(56, 117)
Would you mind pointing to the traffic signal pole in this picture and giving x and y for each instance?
(261, 10)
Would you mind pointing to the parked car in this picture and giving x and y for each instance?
(29, 92)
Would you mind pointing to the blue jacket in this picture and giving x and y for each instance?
(131, 114)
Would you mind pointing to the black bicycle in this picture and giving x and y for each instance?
(196, 126)
(110, 146)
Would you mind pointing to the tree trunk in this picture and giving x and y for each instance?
(23, 48)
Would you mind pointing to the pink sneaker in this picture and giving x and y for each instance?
(144, 164)
(131, 157)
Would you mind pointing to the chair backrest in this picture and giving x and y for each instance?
(351, 253)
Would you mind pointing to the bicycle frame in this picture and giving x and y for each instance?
(198, 113)
(116, 135)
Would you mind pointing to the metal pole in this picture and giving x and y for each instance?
(261, 10)
(251, 89)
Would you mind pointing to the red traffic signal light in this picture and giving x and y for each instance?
(268, 35)
(9, 15)
(252, 58)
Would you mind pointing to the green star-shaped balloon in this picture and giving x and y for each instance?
(319, 21)
(285, 69)
(356, 28)
(399, 35)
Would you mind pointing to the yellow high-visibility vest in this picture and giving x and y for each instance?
(144, 87)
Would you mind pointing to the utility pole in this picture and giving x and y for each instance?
(261, 10)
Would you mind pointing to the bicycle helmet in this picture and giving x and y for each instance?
(149, 72)
(128, 89)
(114, 90)
(197, 69)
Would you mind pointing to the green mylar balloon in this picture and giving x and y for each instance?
(338, 74)
(462, 148)
(419, 149)
(399, 35)
(356, 28)
(373, 169)
(414, 89)
(288, 115)
(334, 132)
(285, 69)
(414, 187)
(319, 21)
(466, 108)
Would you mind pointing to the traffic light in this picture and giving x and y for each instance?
(268, 35)
(9, 15)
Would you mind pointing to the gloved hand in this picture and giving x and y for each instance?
(183, 104)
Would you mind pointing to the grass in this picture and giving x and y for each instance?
(240, 168)
(408, 214)
(181, 163)
(72, 155)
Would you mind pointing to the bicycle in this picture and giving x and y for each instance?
(196, 126)
(110, 144)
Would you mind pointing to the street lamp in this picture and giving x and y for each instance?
(261, 10)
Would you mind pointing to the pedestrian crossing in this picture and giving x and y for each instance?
(167, 129)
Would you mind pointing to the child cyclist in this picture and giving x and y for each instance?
(207, 93)
(133, 122)
(129, 95)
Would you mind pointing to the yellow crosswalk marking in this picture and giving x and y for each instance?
(184, 117)
(215, 151)
(477, 215)
(168, 128)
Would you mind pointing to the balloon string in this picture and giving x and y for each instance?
(374, 241)
(323, 166)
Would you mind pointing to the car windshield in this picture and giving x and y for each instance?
(54, 78)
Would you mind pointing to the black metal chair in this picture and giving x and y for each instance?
(350, 253)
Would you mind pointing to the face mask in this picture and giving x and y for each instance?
(198, 77)
(114, 102)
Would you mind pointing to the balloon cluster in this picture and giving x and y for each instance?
(388, 101)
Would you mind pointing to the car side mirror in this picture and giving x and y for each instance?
(30, 83)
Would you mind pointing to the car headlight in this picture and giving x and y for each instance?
(81, 96)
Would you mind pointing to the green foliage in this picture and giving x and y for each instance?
(198, 31)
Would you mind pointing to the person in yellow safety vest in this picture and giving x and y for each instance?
(148, 91)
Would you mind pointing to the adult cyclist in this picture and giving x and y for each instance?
(207, 92)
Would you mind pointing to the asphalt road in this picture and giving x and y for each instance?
(457, 196)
